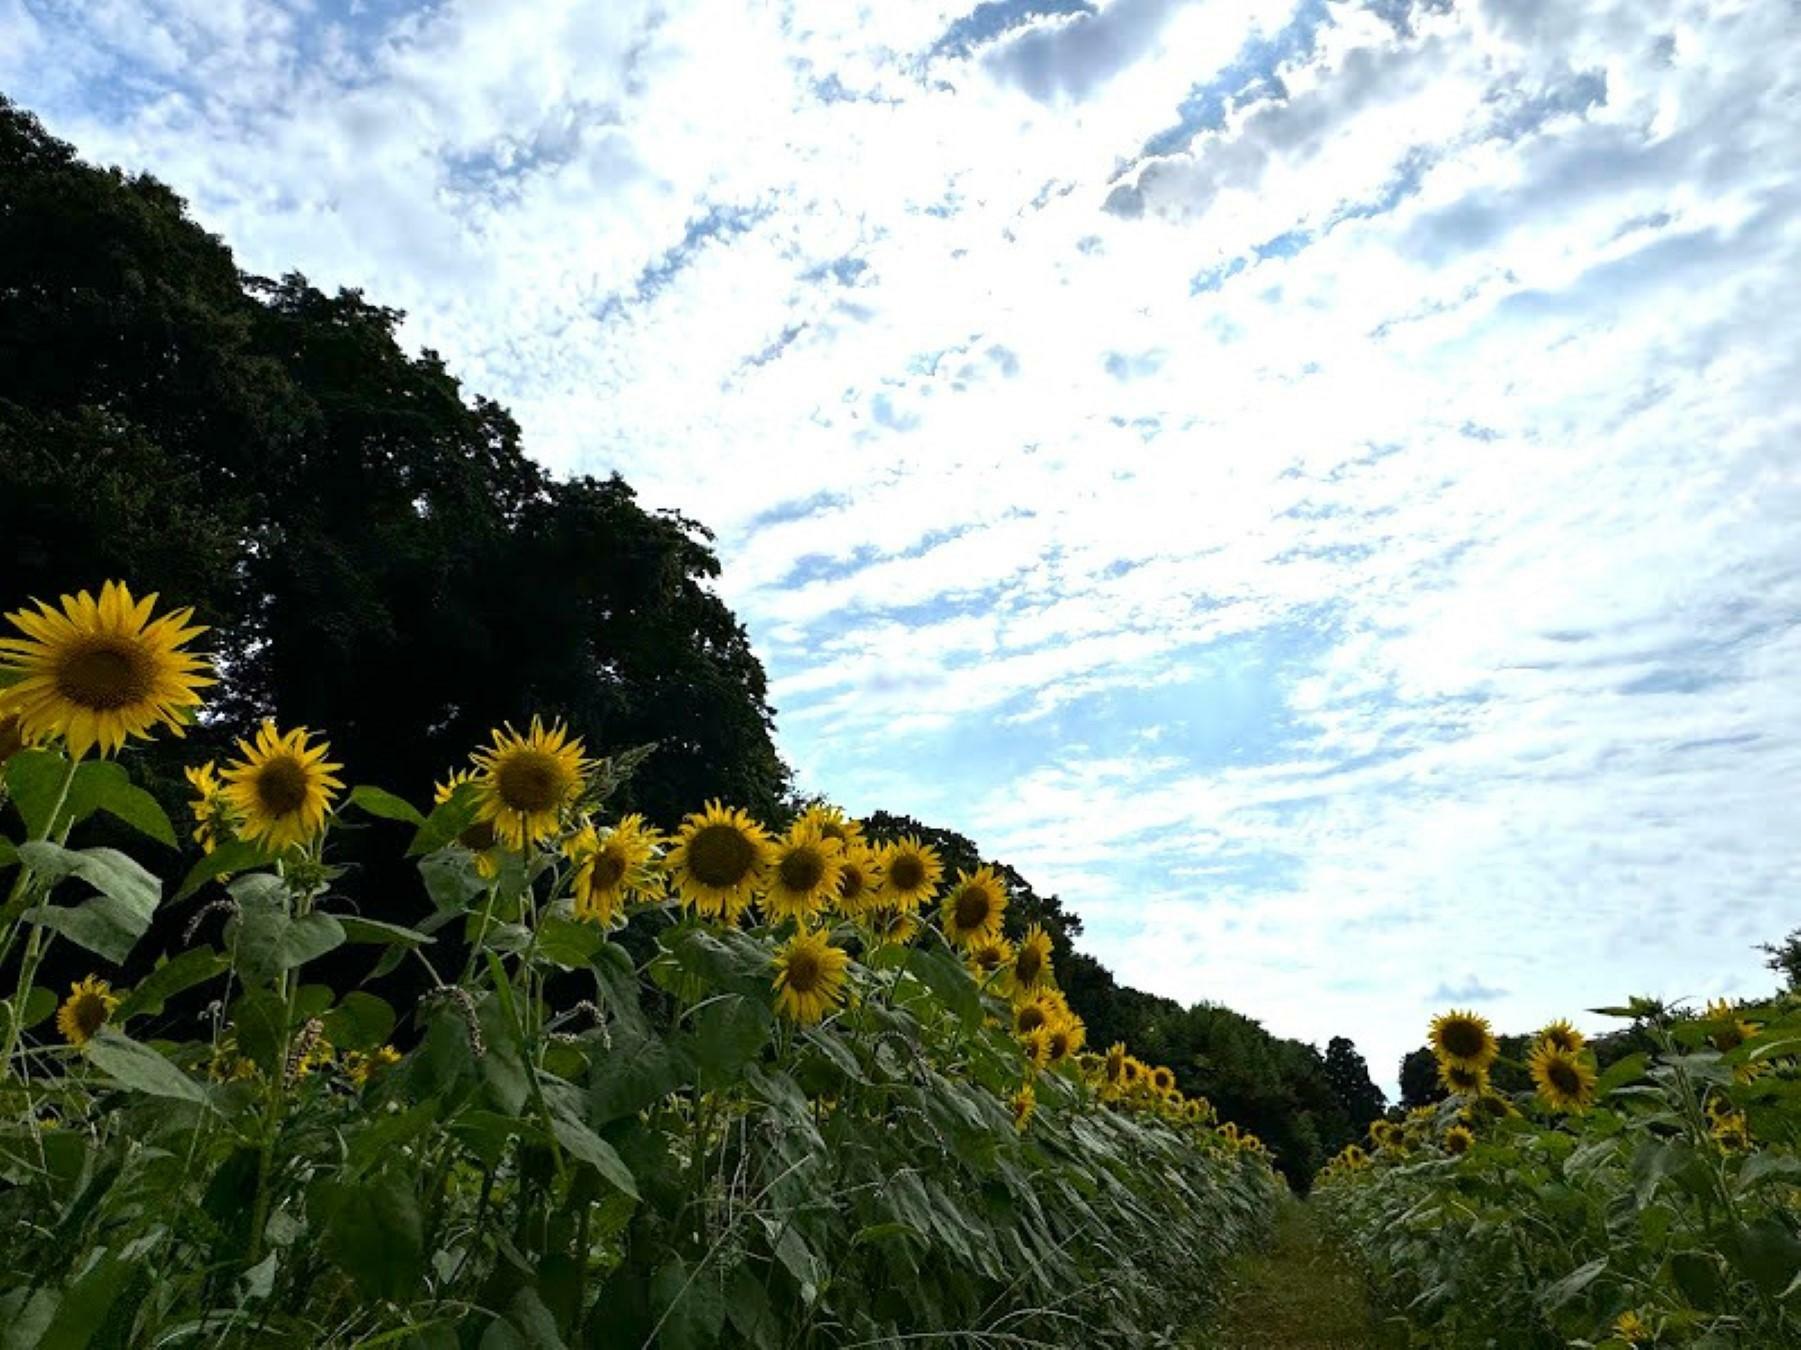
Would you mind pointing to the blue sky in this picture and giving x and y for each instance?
(1311, 483)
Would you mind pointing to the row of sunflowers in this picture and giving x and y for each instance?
(1656, 1202)
(723, 1085)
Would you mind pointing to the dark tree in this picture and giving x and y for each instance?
(1785, 960)
(1419, 1079)
(1349, 1076)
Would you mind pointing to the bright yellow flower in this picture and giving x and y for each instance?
(1041, 1010)
(1562, 1036)
(612, 868)
(804, 867)
(1024, 1103)
(809, 977)
(891, 927)
(910, 873)
(85, 1011)
(214, 819)
(720, 860)
(478, 836)
(859, 879)
(1731, 1131)
(987, 957)
(1031, 963)
(1461, 1079)
(973, 910)
(1631, 1328)
(101, 671)
(361, 1068)
(1163, 1079)
(833, 824)
(1564, 1080)
(281, 787)
(1065, 1039)
(1459, 1140)
(527, 783)
(1464, 1039)
(1730, 1030)
(1036, 1046)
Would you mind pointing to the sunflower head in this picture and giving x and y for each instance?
(1564, 1080)
(1729, 1030)
(1631, 1328)
(973, 910)
(1464, 1039)
(1731, 1131)
(12, 732)
(987, 957)
(1024, 1102)
(809, 977)
(1560, 1035)
(1458, 1140)
(833, 824)
(720, 860)
(1462, 1079)
(1032, 961)
(1032, 1013)
(100, 671)
(281, 787)
(1163, 1079)
(1114, 1066)
(891, 927)
(214, 820)
(1387, 1136)
(910, 873)
(804, 870)
(526, 783)
(611, 867)
(1066, 1037)
(858, 879)
(91, 1001)
(1353, 1157)
(1035, 1045)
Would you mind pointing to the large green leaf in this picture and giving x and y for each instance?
(373, 1233)
(140, 1068)
(103, 785)
(307, 938)
(380, 802)
(87, 1305)
(172, 976)
(32, 779)
(1766, 1253)
(105, 869)
(689, 1304)
(360, 1022)
(582, 1143)
(949, 981)
(446, 822)
(234, 855)
(729, 1031)
(376, 932)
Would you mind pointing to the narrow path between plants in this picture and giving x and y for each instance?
(1298, 1294)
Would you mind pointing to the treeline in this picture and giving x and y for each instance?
(379, 559)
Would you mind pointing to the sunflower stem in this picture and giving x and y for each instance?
(34, 946)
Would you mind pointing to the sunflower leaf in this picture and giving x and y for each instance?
(103, 785)
(446, 822)
(32, 779)
(138, 1067)
(380, 802)
(949, 981)
(180, 972)
(110, 923)
(232, 856)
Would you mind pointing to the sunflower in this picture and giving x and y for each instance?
(1228, 1132)
(99, 672)
(1115, 1064)
(214, 820)
(1463, 1039)
(1032, 962)
(527, 782)
(987, 957)
(1039, 1011)
(1459, 1140)
(12, 735)
(1025, 1101)
(362, 1067)
(1131, 1071)
(721, 857)
(1560, 1035)
(612, 868)
(833, 824)
(1564, 1080)
(1731, 1131)
(974, 908)
(1464, 1081)
(478, 836)
(1730, 1030)
(809, 977)
(1066, 1039)
(910, 873)
(1353, 1157)
(858, 879)
(803, 874)
(281, 788)
(1036, 1046)
(85, 1011)
(1163, 1079)
(1631, 1328)
(1387, 1136)
(891, 927)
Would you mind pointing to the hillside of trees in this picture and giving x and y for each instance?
(378, 558)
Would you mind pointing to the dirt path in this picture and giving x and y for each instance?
(1300, 1294)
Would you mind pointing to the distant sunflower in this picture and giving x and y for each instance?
(833, 824)
(1459, 1140)
(282, 787)
(1387, 1136)
(479, 836)
(12, 733)
(1036, 1046)
(525, 783)
(720, 859)
(1229, 1132)
(1460, 1079)
(973, 909)
(361, 1068)
(1066, 1039)
(214, 819)
(1564, 1080)
(101, 671)
(1032, 1013)
(1032, 962)
(809, 977)
(1729, 1029)
(1163, 1078)
(1560, 1035)
(803, 873)
(910, 873)
(1353, 1157)
(1024, 1102)
(858, 879)
(612, 867)
(987, 957)
(1464, 1039)
(1731, 1131)
(891, 927)
(86, 1010)
(1631, 1328)
(1132, 1072)
(1114, 1067)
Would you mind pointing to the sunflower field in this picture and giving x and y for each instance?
(723, 1086)
(1656, 1203)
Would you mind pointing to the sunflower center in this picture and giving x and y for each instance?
(833, 830)
(806, 971)
(851, 882)
(1027, 964)
(1059, 1044)
(907, 872)
(530, 782)
(720, 855)
(608, 870)
(479, 837)
(972, 907)
(281, 786)
(802, 870)
(104, 674)
(1464, 1039)
(989, 958)
(88, 1012)
(1030, 1019)
(1564, 1078)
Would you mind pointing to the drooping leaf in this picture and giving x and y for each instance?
(234, 855)
(32, 780)
(359, 1022)
(446, 822)
(380, 802)
(103, 785)
(140, 1068)
(180, 972)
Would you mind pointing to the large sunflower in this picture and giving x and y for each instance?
(804, 868)
(281, 788)
(101, 671)
(1564, 1080)
(1464, 1039)
(858, 880)
(1560, 1035)
(1163, 1079)
(809, 977)
(612, 868)
(85, 1011)
(973, 910)
(1041, 1010)
(1729, 1029)
(1032, 962)
(526, 783)
(910, 873)
(720, 859)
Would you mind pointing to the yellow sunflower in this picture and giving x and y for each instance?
(891, 927)
(526, 783)
(1731, 1131)
(987, 957)
(974, 908)
(214, 820)
(85, 1011)
(1354, 1157)
(1461, 1079)
(1459, 1140)
(1560, 1035)
(1564, 1080)
(1115, 1063)
(720, 859)
(1036, 1046)
(101, 671)
(1163, 1079)
(910, 873)
(809, 977)
(361, 1068)
(1464, 1039)
(1039, 1011)
(612, 868)
(1025, 1101)
(858, 879)
(1065, 1039)
(478, 836)
(1730, 1030)
(1631, 1328)
(1031, 963)
(281, 788)
(804, 867)
(1386, 1135)
(833, 824)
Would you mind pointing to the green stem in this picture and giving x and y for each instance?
(34, 943)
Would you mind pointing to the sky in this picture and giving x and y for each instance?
(1311, 484)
